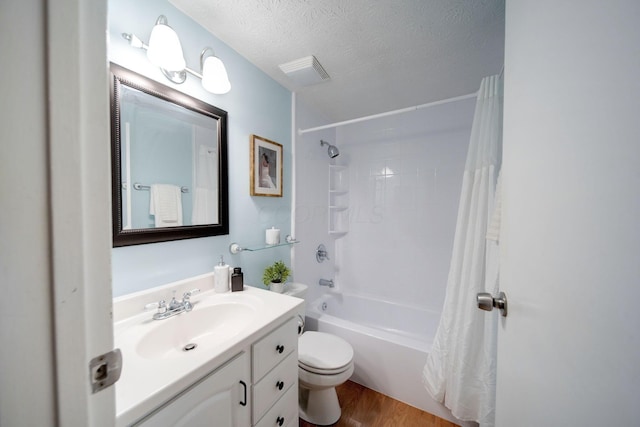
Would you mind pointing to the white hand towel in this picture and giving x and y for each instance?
(166, 205)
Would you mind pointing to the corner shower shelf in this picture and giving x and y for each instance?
(338, 200)
(235, 248)
(338, 179)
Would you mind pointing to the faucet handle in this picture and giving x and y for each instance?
(188, 294)
(322, 254)
(160, 305)
(186, 299)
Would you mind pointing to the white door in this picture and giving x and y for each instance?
(569, 350)
(80, 209)
(55, 246)
(80, 205)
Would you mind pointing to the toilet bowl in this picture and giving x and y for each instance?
(324, 362)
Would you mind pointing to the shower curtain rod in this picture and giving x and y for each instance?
(389, 113)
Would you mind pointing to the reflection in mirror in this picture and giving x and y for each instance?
(169, 163)
(166, 143)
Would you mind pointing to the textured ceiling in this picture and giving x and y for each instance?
(381, 55)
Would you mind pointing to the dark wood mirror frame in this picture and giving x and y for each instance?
(122, 76)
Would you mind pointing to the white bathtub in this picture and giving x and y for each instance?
(390, 342)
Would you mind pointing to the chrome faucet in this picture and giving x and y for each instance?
(325, 282)
(175, 306)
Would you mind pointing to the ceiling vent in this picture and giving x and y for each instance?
(305, 71)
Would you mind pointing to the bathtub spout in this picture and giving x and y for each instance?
(325, 282)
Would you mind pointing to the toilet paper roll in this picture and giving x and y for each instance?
(272, 236)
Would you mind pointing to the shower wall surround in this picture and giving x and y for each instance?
(405, 177)
(256, 104)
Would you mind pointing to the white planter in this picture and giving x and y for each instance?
(277, 287)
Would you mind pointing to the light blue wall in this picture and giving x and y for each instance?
(256, 104)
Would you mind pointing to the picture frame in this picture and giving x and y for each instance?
(266, 167)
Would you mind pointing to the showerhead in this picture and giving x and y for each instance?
(332, 150)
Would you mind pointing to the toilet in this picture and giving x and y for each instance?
(324, 362)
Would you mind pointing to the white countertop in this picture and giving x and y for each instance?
(146, 382)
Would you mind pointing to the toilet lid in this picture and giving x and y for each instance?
(322, 351)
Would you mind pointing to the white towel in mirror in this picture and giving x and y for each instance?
(166, 205)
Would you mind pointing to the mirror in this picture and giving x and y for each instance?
(169, 163)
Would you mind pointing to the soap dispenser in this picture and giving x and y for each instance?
(237, 280)
(221, 277)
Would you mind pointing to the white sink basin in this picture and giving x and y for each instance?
(212, 322)
(192, 331)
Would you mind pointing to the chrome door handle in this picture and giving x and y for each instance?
(486, 302)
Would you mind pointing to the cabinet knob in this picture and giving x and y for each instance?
(280, 421)
(279, 385)
(279, 348)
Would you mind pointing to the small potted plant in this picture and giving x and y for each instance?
(275, 276)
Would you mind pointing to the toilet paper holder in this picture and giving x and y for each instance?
(300, 324)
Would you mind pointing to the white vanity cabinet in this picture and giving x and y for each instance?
(220, 399)
(243, 372)
(259, 384)
(275, 377)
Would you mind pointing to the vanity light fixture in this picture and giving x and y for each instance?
(214, 74)
(165, 51)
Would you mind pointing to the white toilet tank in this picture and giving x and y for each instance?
(298, 290)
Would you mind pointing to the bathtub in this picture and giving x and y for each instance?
(390, 342)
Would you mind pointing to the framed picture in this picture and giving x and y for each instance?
(266, 167)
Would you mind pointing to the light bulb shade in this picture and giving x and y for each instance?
(214, 76)
(165, 50)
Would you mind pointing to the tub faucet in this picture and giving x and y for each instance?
(174, 307)
(325, 282)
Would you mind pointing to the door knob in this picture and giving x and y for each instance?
(486, 302)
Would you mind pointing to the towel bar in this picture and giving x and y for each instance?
(138, 186)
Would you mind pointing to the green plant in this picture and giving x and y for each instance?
(277, 272)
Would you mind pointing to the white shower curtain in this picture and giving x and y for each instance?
(205, 196)
(460, 369)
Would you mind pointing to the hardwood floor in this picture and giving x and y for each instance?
(363, 407)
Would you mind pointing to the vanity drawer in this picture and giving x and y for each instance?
(274, 348)
(274, 385)
(283, 412)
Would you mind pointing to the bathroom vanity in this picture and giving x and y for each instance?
(230, 361)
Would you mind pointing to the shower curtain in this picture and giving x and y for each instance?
(205, 197)
(460, 369)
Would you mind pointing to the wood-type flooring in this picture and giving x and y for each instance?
(363, 407)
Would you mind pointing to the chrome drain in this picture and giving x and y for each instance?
(189, 347)
(324, 306)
